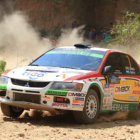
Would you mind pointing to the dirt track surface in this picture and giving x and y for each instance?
(37, 126)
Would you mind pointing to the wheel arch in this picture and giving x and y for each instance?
(99, 91)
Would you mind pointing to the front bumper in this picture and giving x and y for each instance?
(27, 105)
(43, 98)
(42, 101)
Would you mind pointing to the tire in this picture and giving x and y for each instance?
(11, 111)
(91, 109)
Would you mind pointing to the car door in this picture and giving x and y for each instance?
(132, 78)
(112, 83)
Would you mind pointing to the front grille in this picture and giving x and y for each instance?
(29, 83)
(32, 98)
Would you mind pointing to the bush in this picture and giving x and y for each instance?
(127, 30)
(2, 66)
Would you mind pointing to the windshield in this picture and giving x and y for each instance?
(84, 59)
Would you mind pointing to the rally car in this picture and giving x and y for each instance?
(81, 78)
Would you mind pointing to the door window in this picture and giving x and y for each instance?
(130, 65)
(115, 61)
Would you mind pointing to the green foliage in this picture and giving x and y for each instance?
(128, 29)
(2, 66)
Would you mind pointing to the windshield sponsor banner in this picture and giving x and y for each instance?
(57, 92)
(85, 53)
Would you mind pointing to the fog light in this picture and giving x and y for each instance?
(7, 97)
(44, 102)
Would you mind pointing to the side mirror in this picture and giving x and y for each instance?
(106, 70)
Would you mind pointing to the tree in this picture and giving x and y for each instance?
(127, 29)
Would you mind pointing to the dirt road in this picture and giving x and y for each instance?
(41, 126)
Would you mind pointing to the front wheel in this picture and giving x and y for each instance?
(11, 111)
(91, 109)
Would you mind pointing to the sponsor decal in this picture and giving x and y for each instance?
(108, 88)
(46, 97)
(59, 105)
(57, 92)
(120, 107)
(76, 94)
(130, 70)
(132, 98)
(107, 107)
(108, 96)
(3, 86)
(136, 91)
(137, 84)
(122, 89)
(34, 75)
(114, 80)
(78, 104)
(107, 101)
(78, 100)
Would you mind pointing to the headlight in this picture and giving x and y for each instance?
(3, 80)
(67, 86)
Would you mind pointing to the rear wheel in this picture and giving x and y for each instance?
(91, 109)
(11, 111)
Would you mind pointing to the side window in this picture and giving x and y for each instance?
(115, 61)
(126, 62)
(130, 65)
(134, 68)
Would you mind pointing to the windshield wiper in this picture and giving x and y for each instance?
(71, 68)
(34, 65)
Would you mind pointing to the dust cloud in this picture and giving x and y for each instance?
(70, 37)
(19, 41)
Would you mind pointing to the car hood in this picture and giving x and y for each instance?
(41, 73)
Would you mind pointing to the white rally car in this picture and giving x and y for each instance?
(84, 79)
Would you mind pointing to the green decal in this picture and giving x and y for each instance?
(122, 106)
(3, 86)
(76, 53)
(57, 92)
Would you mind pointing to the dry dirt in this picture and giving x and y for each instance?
(41, 126)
